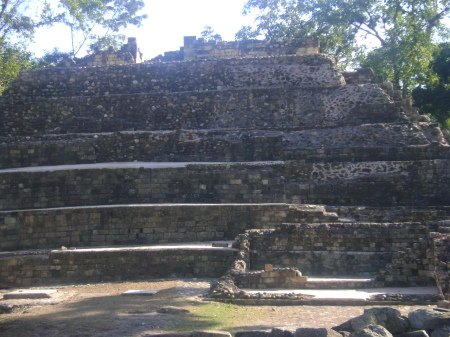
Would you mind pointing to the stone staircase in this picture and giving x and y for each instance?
(111, 161)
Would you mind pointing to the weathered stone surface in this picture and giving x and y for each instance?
(140, 292)
(316, 332)
(252, 333)
(283, 331)
(418, 333)
(5, 309)
(389, 318)
(444, 304)
(426, 319)
(363, 321)
(232, 131)
(174, 334)
(224, 288)
(440, 333)
(372, 331)
(210, 333)
(25, 294)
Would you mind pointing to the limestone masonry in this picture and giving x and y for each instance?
(329, 172)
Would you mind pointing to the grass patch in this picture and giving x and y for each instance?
(217, 316)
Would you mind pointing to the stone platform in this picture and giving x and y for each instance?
(71, 266)
(207, 149)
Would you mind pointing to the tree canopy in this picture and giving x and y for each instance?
(433, 97)
(93, 24)
(98, 22)
(393, 36)
(209, 34)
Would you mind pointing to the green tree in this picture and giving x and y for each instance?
(18, 22)
(246, 33)
(17, 26)
(209, 35)
(401, 31)
(92, 22)
(50, 58)
(97, 23)
(13, 59)
(433, 97)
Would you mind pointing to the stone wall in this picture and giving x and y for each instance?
(183, 183)
(285, 278)
(200, 49)
(222, 146)
(22, 269)
(375, 142)
(370, 183)
(136, 224)
(441, 252)
(397, 252)
(162, 78)
(247, 109)
(341, 237)
(328, 263)
(411, 266)
(390, 214)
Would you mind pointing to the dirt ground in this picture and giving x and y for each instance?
(102, 310)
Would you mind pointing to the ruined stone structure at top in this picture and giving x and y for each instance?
(225, 137)
(199, 49)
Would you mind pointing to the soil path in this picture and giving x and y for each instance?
(101, 310)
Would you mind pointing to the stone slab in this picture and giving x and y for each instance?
(353, 294)
(220, 244)
(26, 294)
(141, 292)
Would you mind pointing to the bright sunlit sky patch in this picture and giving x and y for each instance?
(167, 23)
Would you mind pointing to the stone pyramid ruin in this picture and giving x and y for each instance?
(115, 170)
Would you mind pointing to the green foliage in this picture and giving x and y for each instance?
(18, 22)
(97, 23)
(401, 30)
(246, 33)
(434, 97)
(209, 35)
(13, 59)
(50, 58)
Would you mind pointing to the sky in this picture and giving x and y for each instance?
(167, 23)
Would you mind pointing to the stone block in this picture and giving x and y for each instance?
(252, 333)
(440, 333)
(372, 331)
(418, 333)
(426, 319)
(316, 332)
(283, 331)
(268, 267)
(29, 294)
(210, 333)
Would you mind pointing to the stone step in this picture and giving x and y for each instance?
(310, 145)
(369, 183)
(364, 296)
(444, 230)
(391, 214)
(108, 264)
(339, 283)
(444, 226)
(90, 226)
